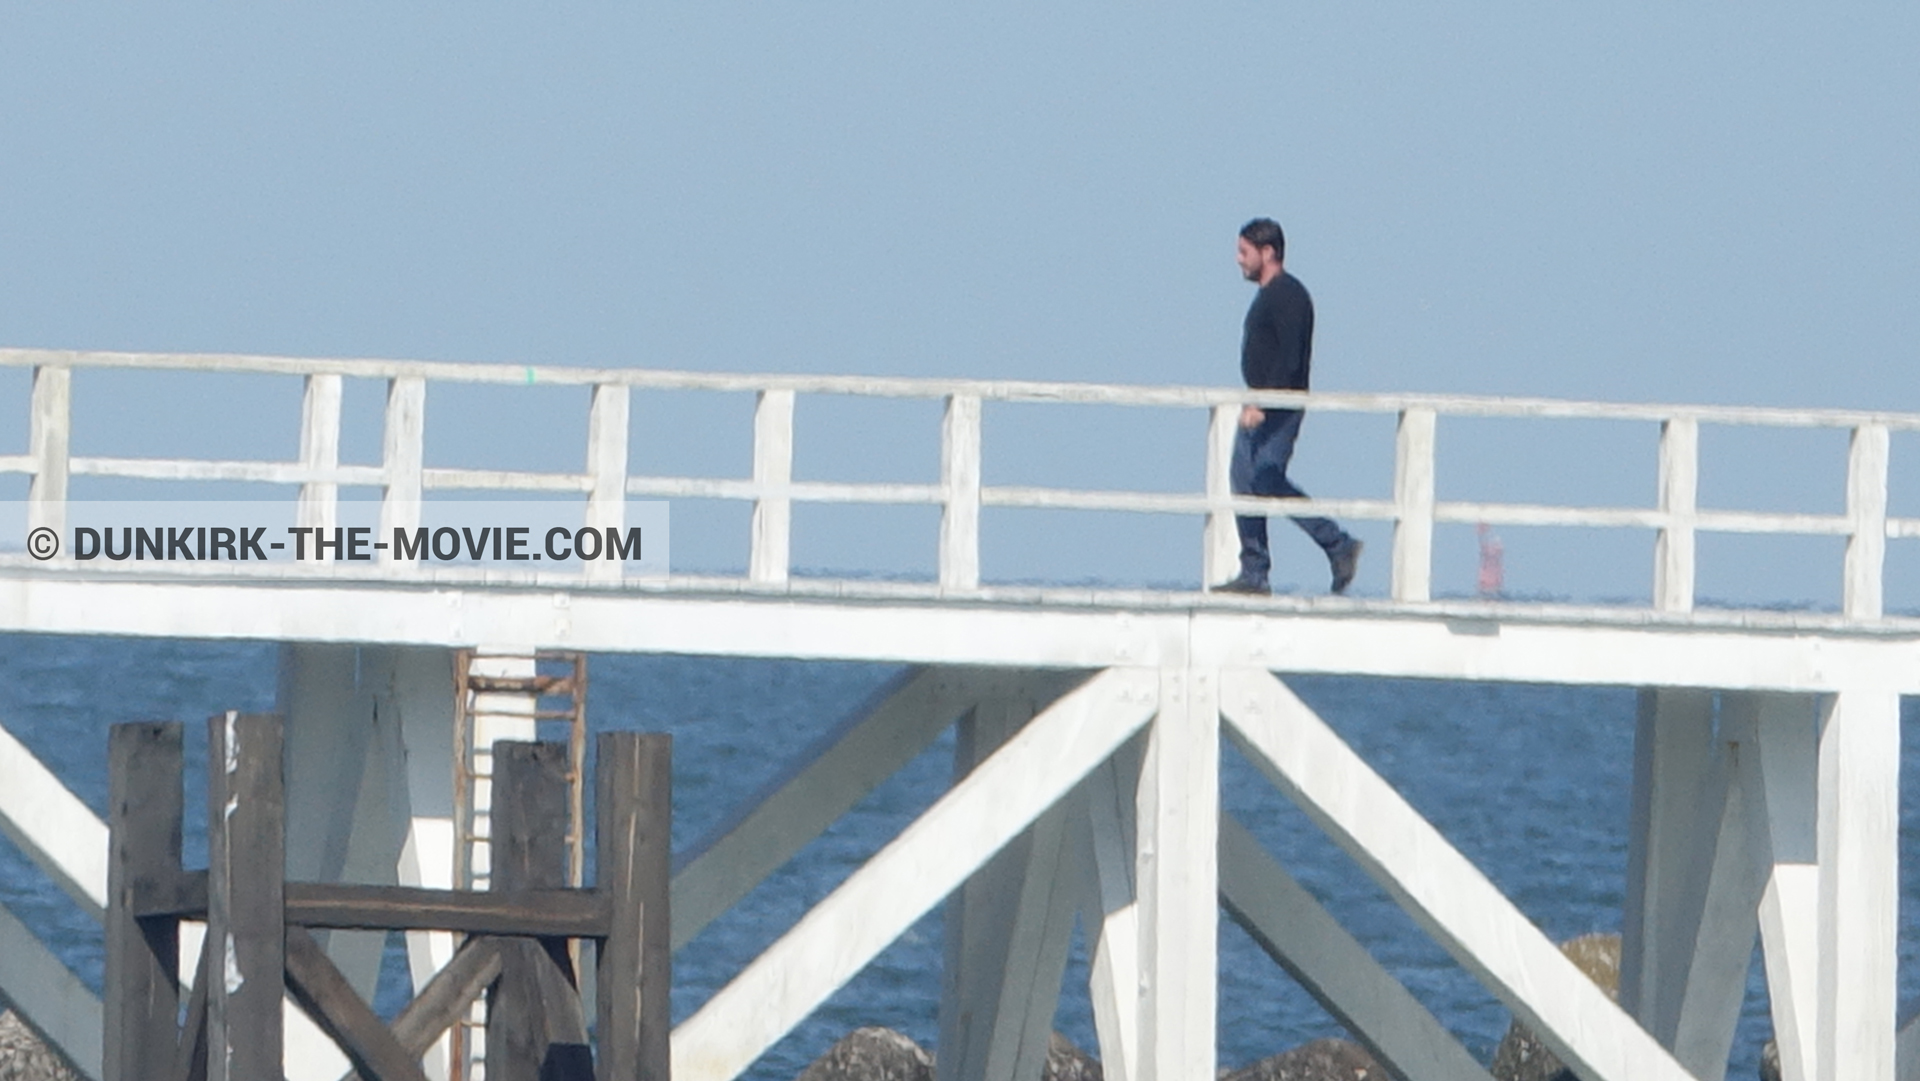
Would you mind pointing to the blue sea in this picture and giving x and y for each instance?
(1530, 782)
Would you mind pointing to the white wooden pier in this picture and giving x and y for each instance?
(1765, 804)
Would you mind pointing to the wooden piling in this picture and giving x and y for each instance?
(142, 993)
(535, 1027)
(259, 940)
(633, 808)
(246, 877)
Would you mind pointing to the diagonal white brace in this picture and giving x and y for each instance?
(49, 996)
(1304, 938)
(828, 779)
(1776, 735)
(1111, 912)
(904, 880)
(1443, 891)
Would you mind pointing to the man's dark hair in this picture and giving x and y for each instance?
(1265, 233)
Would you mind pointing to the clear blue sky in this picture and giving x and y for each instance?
(1709, 202)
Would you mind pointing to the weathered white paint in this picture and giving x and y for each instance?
(1679, 485)
(1333, 967)
(825, 781)
(319, 449)
(1177, 806)
(1007, 928)
(49, 427)
(1777, 770)
(960, 493)
(343, 820)
(55, 1002)
(987, 389)
(49, 996)
(1581, 651)
(59, 833)
(1110, 912)
(607, 442)
(1220, 548)
(1438, 887)
(1722, 897)
(1413, 469)
(1867, 515)
(414, 686)
(403, 450)
(1688, 927)
(1859, 832)
(1580, 646)
(768, 559)
(927, 861)
(1413, 508)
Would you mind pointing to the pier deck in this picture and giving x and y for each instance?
(1766, 764)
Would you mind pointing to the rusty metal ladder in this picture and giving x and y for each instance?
(508, 695)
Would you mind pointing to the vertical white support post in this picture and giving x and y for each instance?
(960, 493)
(1007, 929)
(320, 450)
(346, 809)
(1177, 872)
(402, 453)
(1111, 912)
(1673, 559)
(413, 688)
(1220, 556)
(1709, 910)
(607, 470)
(1867, 508)
(772, 474)
(1413, 506)
(1859, 833)
(1670, 829)
(50, 426)
(1779, 762)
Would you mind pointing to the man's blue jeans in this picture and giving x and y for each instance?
(1260, 457)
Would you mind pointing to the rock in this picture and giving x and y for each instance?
(24, 1057)
(872, 1054)
(1321, 1060)
(1522, 1057)
(1770, 1061)
(881, 1054)
(1067, 1062)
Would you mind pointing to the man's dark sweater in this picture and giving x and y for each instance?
(1277, 347)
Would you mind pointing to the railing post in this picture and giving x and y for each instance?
(772, 474)
(403, 450)
(51, 424)
(607, 470)
(1867, 507)
(960, 493)
(246, 897)
(1673, 564)
(1413, 506)
(1220, 558)
(320, 450)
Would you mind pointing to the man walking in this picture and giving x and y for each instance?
(1276, 351)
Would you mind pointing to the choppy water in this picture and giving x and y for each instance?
(1530, 782)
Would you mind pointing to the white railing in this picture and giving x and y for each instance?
(607, 480)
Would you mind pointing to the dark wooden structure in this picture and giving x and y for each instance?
(259, 943)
